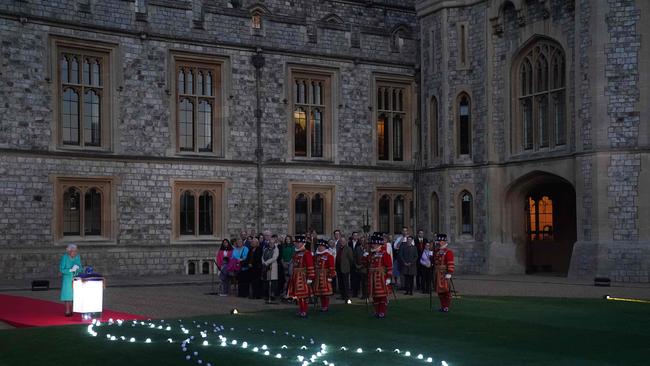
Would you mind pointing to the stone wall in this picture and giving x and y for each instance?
(585, 103)
(470, 79)
(622, 73)
(142, 158)
(354, 40)
(142, 195)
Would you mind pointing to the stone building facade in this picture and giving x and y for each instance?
(148, 130)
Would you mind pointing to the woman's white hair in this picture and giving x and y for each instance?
(70, 247)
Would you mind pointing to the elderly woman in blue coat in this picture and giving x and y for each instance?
(69, 267)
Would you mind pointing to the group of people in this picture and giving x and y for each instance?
(257, 264)
(305, 268)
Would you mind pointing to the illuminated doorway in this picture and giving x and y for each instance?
(550, 229)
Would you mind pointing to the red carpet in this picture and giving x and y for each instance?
(22, 312)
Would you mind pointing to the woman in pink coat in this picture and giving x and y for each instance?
(223, 257)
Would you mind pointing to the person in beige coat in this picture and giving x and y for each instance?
(270, 267)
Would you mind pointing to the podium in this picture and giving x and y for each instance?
(88, 295)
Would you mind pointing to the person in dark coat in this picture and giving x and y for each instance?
(254, 264)
(344, 264)
(361, 251)
(420, 242)
(408, 263)
(353, 242)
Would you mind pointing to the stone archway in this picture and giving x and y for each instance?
(542, 211)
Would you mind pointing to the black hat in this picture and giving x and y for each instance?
(322, 242)
(377, 238)
(441, 237)
(299, 239)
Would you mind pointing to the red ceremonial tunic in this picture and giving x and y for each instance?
(444, 263)
(379, 270)
(324, 268)
(303, 269)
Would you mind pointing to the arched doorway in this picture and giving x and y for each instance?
(543, 212)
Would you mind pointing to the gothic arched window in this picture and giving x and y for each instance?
(393, 124)
(198, 210)
(466, 213)
(435, 213)
(93, 212)
(83, 209)
(311, 106)
(187, 213)
(464, 125)
(394, 210)
(198, 106)
(433, 127)
(539, 108)
(83, 98)
(312, 209)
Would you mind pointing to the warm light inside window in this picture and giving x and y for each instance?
(540, 219)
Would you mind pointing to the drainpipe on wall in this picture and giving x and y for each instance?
(258, 62)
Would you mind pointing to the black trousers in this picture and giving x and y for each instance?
(274, 288)
(418, 278)
(344, 284)
(408, 286)
(427, 278)
(363, 284)
(280, 285)
(243, 284)
(355, 282)
(255, 283)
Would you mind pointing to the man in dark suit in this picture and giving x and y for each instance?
(354, 276)
(344, 264)
(420, 241)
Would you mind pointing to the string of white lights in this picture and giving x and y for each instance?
(201, 339)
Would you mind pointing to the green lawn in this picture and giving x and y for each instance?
(479, 331)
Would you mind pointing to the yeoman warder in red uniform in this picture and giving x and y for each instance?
(325, 273)
(302, 276)
(380, 272)
(444, 267)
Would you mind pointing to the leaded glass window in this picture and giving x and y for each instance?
(540, 108)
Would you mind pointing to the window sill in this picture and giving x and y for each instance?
(312, 160)
(463, 160)
(94, 241)
(394, 163)
(197, 240)
(466, 238)
(90, 149)
(192, 154)
(539, 153)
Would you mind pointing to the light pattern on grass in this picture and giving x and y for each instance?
(198, 343)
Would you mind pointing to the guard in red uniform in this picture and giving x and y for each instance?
(444, 267)
(302, 276)
(380, 272)
(325, 273)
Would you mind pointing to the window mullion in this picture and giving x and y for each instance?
(550, 120)
(82, 211)
(535, 106)
(195, 124)
(309, 126)
(389, 132)
(537, 219)
(197, 209)
(101, 213)
(308, 212)
(391, 217)
(82, 122)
